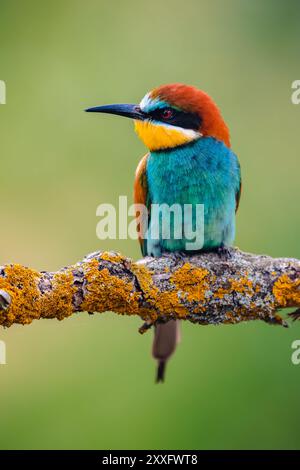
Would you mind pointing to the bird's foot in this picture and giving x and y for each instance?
(224, 252)
(178, 255)
(181, 254)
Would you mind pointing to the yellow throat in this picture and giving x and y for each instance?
(157, 136)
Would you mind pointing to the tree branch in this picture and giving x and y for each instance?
(207, 288)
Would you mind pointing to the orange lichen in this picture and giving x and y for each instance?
(287, 291)
(230, 318)
(57, 303)
(149, 291)
(28, 303)
(112, 257)
(108, 292)
(168, 303)
(221, 292)
(144, 277)
(242, 285)
(109, 281)
(192, 281)
(165, 302)
(22, 285)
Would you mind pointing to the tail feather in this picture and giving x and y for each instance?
(160, 373)
(166, 337)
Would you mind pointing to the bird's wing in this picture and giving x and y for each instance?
(141, 196)
(238, 179)
(238, 197)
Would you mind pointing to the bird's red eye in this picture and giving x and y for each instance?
(167, 113)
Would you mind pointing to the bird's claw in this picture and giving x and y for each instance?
(181, 254)
(224, 252)
(178, 255)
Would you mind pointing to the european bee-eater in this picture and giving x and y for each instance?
(189, 163)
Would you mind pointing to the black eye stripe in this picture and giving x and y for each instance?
(179, 118)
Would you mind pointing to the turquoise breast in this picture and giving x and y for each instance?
(203, 173)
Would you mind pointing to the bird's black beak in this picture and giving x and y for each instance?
(132, 111)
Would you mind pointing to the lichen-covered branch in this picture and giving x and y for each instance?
(207, 288)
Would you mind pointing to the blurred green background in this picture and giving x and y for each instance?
(88, 382)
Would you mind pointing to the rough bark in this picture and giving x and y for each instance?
(208, 288)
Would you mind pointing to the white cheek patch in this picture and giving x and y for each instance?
(189, 133)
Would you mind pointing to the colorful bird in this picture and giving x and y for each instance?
(189, 164)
